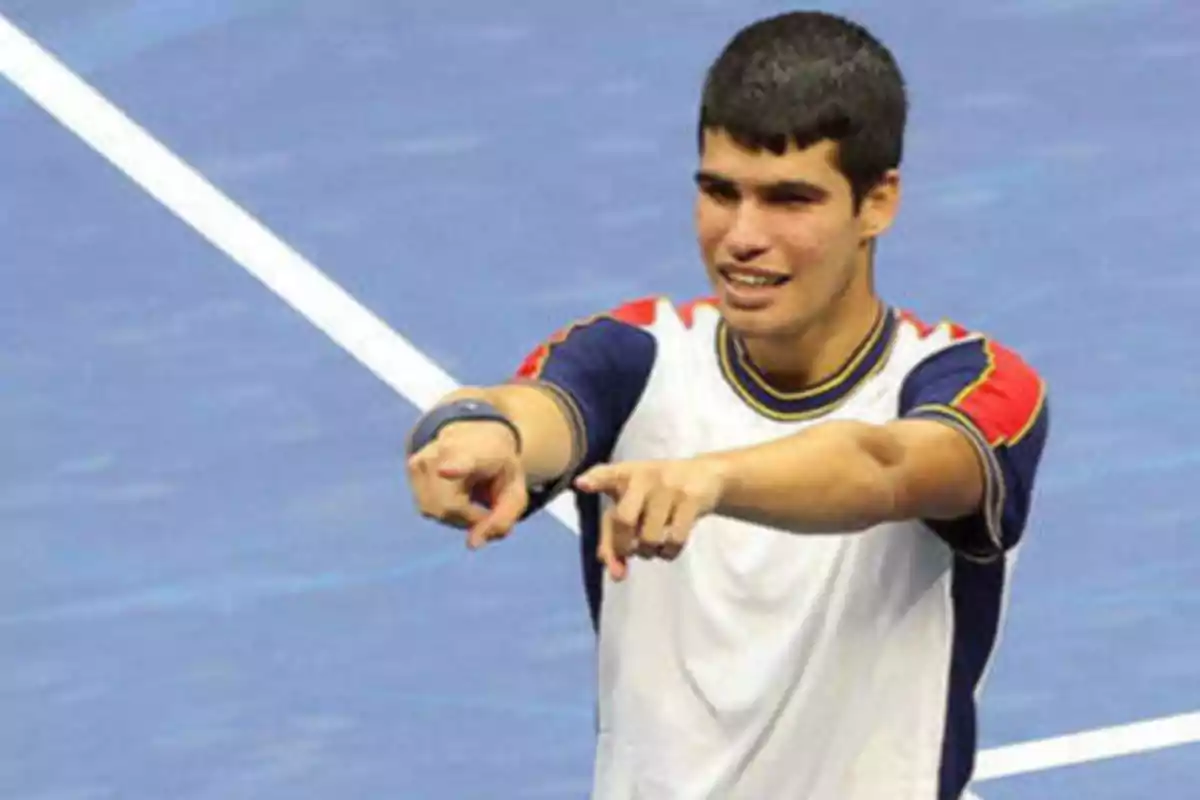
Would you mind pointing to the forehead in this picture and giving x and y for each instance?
(815, 164)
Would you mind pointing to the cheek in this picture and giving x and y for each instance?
(711, 227)
(815, 240)
(807, 243)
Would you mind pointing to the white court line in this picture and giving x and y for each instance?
(387, 354)
(1080, 748)
(84, 111)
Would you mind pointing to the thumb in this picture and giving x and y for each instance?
(607, 553)
(509, 504)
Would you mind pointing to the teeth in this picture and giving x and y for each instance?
(750, 280)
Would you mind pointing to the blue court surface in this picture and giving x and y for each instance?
(214, 582)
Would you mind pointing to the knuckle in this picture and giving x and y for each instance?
(679, 534)
(441, 491)
(624, 526)
(653, 535)
(635, 482)
(434, 511)
(687, 487)
(625, 517)
(677, 488)
(445, 452)
(459, 517)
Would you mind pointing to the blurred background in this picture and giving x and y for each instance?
(213, 583)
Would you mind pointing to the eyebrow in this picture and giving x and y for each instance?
(705, 177)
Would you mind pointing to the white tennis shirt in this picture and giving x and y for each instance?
(763, 665)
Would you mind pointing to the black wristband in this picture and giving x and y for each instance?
(467, 410)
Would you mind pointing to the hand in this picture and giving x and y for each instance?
(656, 504)
(471, 477)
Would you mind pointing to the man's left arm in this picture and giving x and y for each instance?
(845, 477)
(962, 457)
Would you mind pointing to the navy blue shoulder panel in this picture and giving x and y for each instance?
(599, 368)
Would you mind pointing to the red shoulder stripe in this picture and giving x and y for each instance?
(531, 367)
(640, 313)
(687, 311)
(924, 329)
(1006, 398)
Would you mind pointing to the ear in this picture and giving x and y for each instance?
(880, 206)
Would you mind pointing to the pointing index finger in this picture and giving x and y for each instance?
(607, 478)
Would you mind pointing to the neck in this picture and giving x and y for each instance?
(815, 353)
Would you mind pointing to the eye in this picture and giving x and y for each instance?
(790, 198)
(720, 191)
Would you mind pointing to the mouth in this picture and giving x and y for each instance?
(752, 278)
(750, 289)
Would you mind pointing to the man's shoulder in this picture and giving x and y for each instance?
(925, 340)
(631, 332)
(652, 310)
(951, 366)
(654, 314)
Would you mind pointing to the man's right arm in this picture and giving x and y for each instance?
(567, 403)
(546, 423)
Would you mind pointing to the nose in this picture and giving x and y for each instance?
(744, 254)
(747, 239)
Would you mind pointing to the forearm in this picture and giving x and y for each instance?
(834, 477)
(547, 431)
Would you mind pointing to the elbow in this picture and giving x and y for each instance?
(876, 498)
(880, 486)
(892, 503)
(862, 496)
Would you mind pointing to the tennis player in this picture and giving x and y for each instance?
(799, 503)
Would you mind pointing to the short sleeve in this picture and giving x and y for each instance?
(597, 369)
(1000, 403)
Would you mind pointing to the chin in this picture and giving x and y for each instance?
(763, 323)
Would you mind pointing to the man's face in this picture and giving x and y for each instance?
(779, 235)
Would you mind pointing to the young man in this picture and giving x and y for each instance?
(797, 503)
